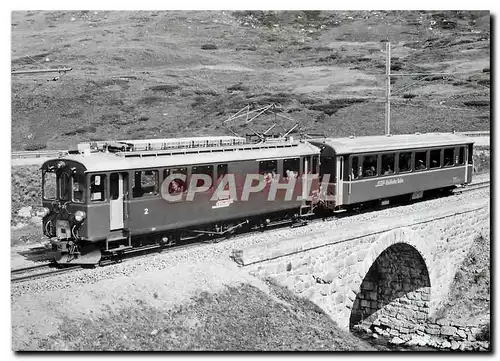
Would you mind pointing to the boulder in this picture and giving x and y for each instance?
(25, 212)
(396, 341)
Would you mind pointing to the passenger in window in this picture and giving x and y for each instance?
(447, 162)
(420, 165)
(388, 170)
(370, 172)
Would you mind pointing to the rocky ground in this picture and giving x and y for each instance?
(150, 74)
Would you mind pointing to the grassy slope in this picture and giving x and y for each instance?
(240, 319)
(309, 62)
(469, 297)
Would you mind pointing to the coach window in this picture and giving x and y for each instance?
(388, 161)
(145, 183)
(291, 168)
(421, 160)
(268, 169)
(176, 185)
(435, 158)
(78, 188)
(448, 157)
(97, 187)
(354, 167)
(404, 162)
(203, 169)
(49, 185)
(370, 165)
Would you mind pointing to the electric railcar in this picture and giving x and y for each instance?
(112, 198)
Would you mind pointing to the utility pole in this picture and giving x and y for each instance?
(388, 88)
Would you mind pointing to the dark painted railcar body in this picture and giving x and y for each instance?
(113, 206)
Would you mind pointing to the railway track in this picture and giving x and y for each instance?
(473, 187)
(33, 272)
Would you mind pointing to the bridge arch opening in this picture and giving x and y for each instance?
(395, 292)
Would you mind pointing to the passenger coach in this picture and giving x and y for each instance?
(379, 168)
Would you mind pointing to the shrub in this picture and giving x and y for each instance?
(168, 88)
(237, 87)
(151, 100)
(209, 47)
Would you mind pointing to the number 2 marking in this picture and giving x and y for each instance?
(146, 211)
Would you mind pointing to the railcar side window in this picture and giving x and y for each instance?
(268, 168)
(291, 168)
(221, 170)
(354, 167)
(421, 160)
(78, 188)
(404, 162)
(461, 156)
(49, 185)
(145, 183)
(370, 165)
(177, 185)
(388, 161)
(448, 157)
(203, 169)
(97, 187)
(435, 158)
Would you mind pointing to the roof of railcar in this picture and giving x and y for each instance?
(380, 143)
(101, 162)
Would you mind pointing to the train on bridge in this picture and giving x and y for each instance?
(106, 198)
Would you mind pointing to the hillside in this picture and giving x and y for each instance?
(162, 74)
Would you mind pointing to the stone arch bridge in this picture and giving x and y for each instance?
(390, 272)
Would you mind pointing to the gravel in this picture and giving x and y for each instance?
(217, 252)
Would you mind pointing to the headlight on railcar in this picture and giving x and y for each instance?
(80, 216)
(43, 212)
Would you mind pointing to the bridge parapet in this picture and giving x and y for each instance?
(385, 270)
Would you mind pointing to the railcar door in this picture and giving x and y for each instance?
(116, 200)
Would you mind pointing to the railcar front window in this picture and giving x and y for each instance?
(64, 186)
(145, 183)
(78, 188)
(404, 162)
(370, 165)
(97, 187)
(49, 185)
(448, 157)
(388, 161)
(420, 160)
(435, 158)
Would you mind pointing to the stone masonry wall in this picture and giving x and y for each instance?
(334, 268)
